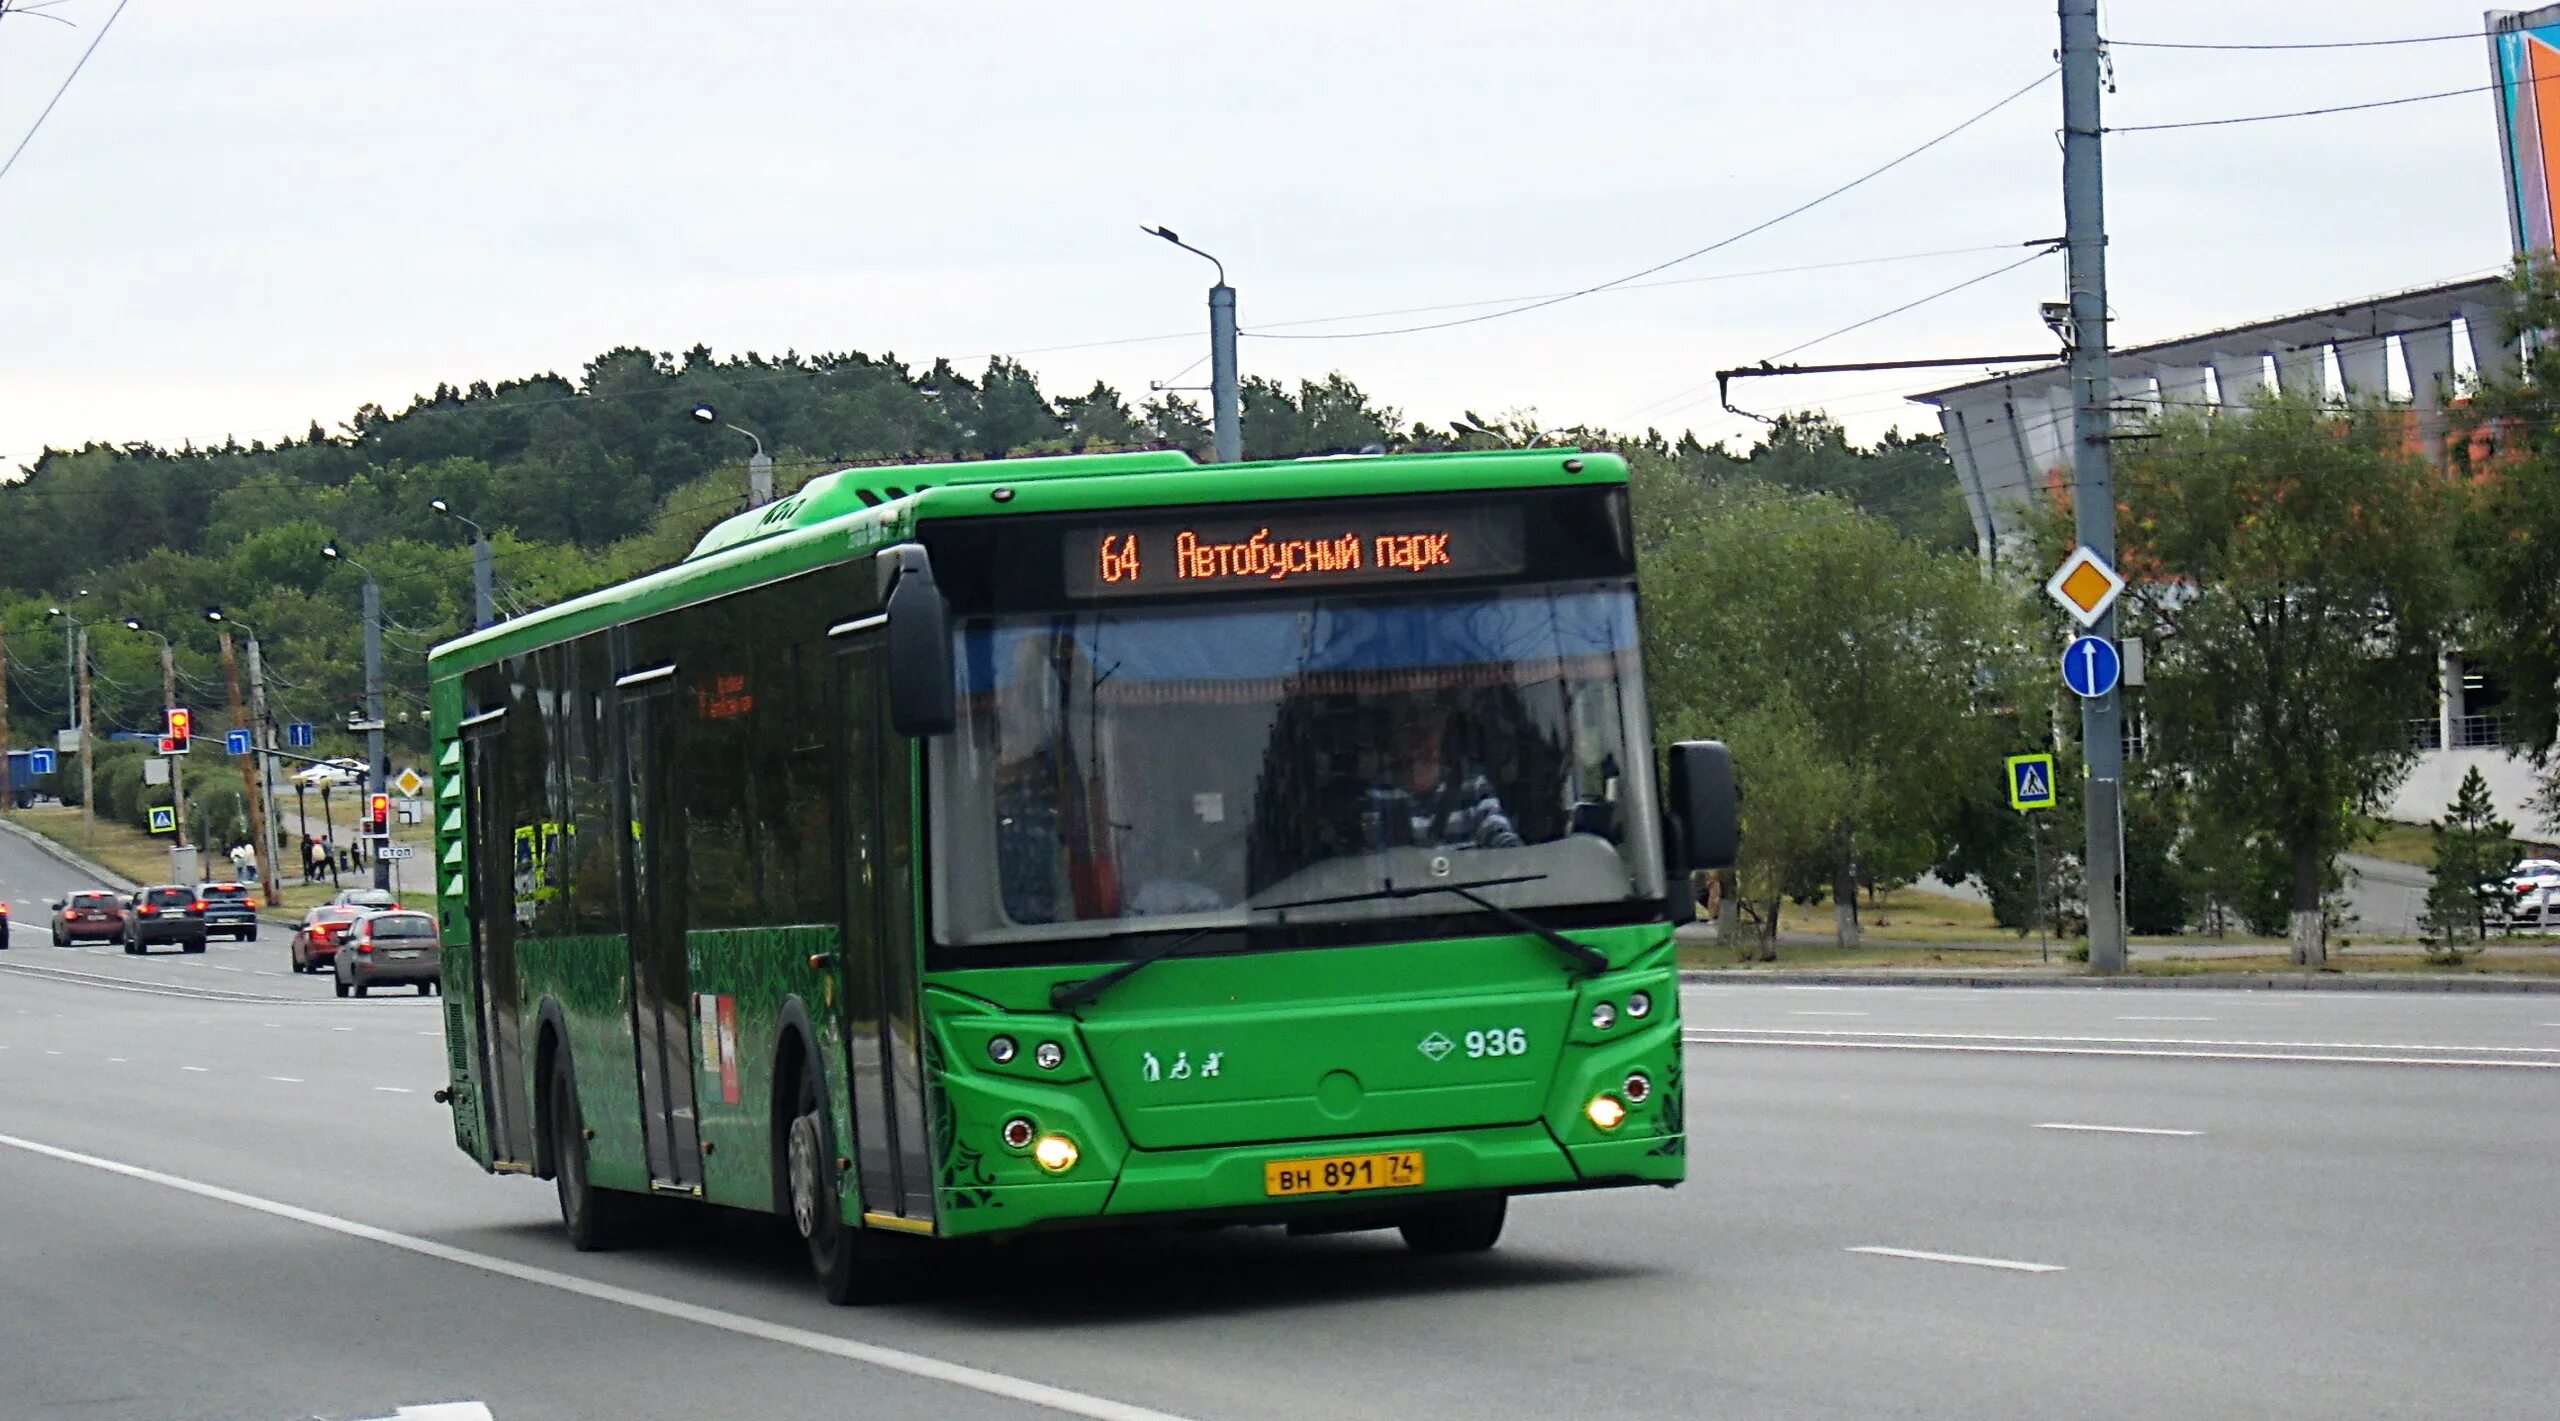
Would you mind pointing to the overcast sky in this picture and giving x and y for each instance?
(248, 214)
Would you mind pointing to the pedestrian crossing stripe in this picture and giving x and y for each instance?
(2030, 782)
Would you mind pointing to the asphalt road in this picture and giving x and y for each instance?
(228, 1195)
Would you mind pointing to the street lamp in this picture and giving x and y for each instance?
(169, 694)
(484, 612)
(759, 466)
(1229, 436)
(377, 759)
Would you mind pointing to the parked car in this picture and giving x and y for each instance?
(385, 949)
(2533, 891)
(91, 915)
(229, 909)
(330, 774)
(315, 943)
(376, 900)
(164, 912)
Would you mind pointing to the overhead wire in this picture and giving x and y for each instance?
(2475, 36)
(47, 112)
(1718, 245)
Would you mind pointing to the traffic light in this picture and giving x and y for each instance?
(181, 729)
(378, 814)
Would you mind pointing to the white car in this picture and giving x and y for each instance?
(2533, 889)
(330, 773)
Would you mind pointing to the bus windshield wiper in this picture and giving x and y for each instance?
(1591, 960)
(1076, 994)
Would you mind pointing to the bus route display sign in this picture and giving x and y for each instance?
(1157, 556)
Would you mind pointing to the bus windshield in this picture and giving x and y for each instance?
(1119, 771)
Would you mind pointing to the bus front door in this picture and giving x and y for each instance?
(661, 1022)
(884, 1065)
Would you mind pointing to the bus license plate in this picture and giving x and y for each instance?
(1342, 1174)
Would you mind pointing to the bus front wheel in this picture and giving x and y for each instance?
(595, 1218)
(847, 1273)
(1457, 1226)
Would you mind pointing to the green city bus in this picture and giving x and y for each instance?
(952, 851)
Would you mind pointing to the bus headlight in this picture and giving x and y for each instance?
(1001, 1049)
(1048, 1054)
(1640, 1005)
(1605, 1112)
(1056, 1153)
(1603, 1016)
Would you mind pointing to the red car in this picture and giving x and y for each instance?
(315, 943)
(89, 916)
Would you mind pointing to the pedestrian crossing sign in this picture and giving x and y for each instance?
(164, 819)
(2030, 782)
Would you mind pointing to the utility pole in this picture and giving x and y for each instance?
(262, 736)
(7, 801)
(249, 775)
(88, 760)
(1225, 412)
(484, 610)
(379, 779)
(177, 766)
(2093, 500)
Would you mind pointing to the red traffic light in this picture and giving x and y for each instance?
(181, 727)
(380, 810)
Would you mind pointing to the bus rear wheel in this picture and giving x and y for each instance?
(597, 1219)
(1457, 1226)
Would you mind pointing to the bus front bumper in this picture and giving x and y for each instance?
(1230, 1183)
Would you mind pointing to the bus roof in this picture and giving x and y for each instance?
(853, 511)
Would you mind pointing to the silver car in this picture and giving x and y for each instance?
(390, 949)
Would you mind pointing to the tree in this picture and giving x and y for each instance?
(1887, 653)
(2474, 852)
(2298, 584)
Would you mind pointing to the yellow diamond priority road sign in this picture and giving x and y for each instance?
(2085, 586)
(408, 783)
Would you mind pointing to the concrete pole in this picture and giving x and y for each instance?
(2093, 500)
(88, 760)
(484, 585)
(177, 763)
(262, 735)
(250, 777)
(378, 781)
(6, 800)
(71, 670)
(759, 478)
(1225, 411)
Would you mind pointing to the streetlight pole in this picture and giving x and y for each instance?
(253, 765)
(377, 760)
(169, 694)
(79, 635)
(759, 465)
(484, 611)
(1225, 416)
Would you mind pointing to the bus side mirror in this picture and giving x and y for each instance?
(1706, 806)
(921, 702)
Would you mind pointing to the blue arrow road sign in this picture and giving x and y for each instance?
(236, 741)
(298, 735)
(2091, 667)
(39, 762)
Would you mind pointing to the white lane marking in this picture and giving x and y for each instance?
(115, 1060)
(396, 1089)
(431, 1033)
(2133, 1040)
(53, 1053)
(288, 1080)
(218, 967)
(2119, 1051)
(2013, 1265)
(342, 1028)
(2122, 1130)
(912, 1364)
(2167, 1018)
(199, 1070)
(1802, 1012)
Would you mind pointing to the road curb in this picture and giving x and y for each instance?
(105, 875)
(2247, 981)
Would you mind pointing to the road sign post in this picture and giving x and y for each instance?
(2031, 788)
